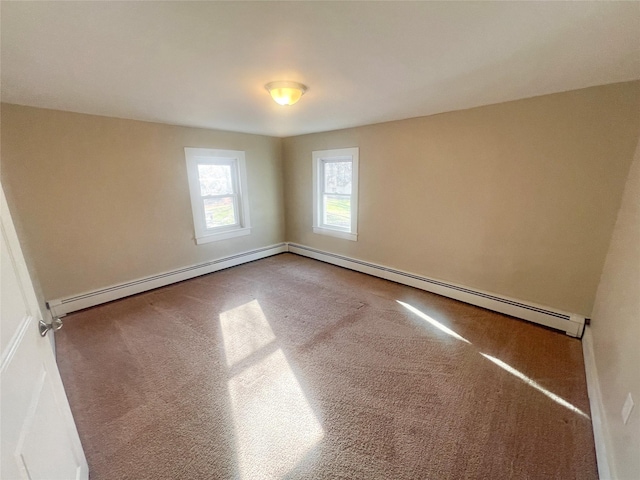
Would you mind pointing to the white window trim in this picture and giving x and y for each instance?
(319, 156)
(195, 156)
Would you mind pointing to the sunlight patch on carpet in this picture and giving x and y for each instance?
(245, 330)
(433, 322)
(275, 426)
(536, 385)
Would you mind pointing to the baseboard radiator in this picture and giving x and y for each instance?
(569, 323)
(62, 306)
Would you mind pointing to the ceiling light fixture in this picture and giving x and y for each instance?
(286, 93)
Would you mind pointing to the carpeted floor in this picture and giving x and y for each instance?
(291, 368)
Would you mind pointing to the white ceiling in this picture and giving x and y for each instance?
(205, 64)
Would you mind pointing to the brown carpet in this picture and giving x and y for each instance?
(291, 368)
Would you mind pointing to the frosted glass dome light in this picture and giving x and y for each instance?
(286, 93)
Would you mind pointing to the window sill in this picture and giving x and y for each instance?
(214, 237)
(336, 233)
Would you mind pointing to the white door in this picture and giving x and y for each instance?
(39, 437)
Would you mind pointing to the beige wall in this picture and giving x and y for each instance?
(616, 330)
(517, 198)
(102, 200)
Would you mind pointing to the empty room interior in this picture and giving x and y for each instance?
(320, 240)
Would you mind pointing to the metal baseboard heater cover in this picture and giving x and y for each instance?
(571, 324)
(61, 307)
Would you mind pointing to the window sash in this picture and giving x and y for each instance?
(322, 214)
(236, 213)
(323, 172)
(237, 209)
(218, 162)
(341, 227)
(326, 213)
(232, 195)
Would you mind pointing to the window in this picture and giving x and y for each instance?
(335, 192)
(218, 186)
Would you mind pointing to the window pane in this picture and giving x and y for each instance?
(337, 211)
(337, 177)
(215, 179)
(219, 212)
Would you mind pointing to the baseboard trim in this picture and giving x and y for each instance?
(598, 419)
(570, 323)
(60, 307)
